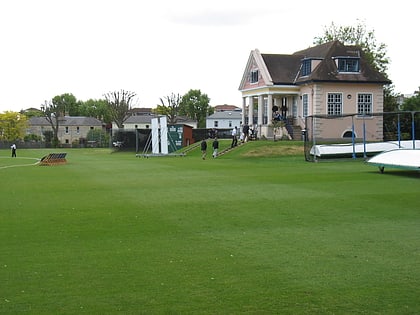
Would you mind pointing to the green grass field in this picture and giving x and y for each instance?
(256, 231)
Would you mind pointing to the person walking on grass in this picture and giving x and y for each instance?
(215, 147)
(13, 147)
(203, 149)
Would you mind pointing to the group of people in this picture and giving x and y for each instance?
(215, 146)
(246, 134)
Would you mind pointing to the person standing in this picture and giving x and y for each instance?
(246, 132)
(13, 147)
(234, 137)
(215, 147)
(203, 149)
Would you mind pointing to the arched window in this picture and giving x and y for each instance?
(348, 134)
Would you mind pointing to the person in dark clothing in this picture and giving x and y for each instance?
(245, 130)
(234, 137)
(215, 147)
(203, 149)
(13, 147)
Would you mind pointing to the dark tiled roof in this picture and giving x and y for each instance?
(67, 121)
(284, 69)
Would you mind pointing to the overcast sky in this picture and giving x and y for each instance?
(155, 48)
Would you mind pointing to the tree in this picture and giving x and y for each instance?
(376, 54)
(53, 113)
(12, 126)
(119, 104)
(171, 108)
(67, 102)
(412, 103)
(96, 108)
(196, 106)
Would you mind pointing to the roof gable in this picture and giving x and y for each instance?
(256, 62)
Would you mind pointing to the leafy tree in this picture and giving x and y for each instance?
(171, 108)
(358, 35)
(375, 54)
(12, 126)
(32, 112)
(67, 103)
(32, 137)
(390, 100)
(53, 113)
(412, 103)
(55, 110)
(195, 105)
(96, 108)
(119, 103)
(49, 136)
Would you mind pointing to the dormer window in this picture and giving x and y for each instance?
(254, 76)
(348, 64)
(306, 67)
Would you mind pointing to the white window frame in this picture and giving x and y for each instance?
(364, 104)
(334, 104)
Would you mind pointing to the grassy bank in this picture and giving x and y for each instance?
(256, 231)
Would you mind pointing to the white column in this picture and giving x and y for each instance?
(260, 110)
(269, 112)
(243, 110)
(260, 114)
(250, 110)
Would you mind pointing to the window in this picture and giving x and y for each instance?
(306, 67)
(254, 76)
(77, 130)
(334, 103)
(216, 124)
(230, 123)
(348, 65)
(305, 104)
(364, 104)
(67, 130)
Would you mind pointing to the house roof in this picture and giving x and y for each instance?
(226, 115)
(225, 107)
(139, 119)
(147, 119)
(282, 69)
(67, 121)
(327, 70)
